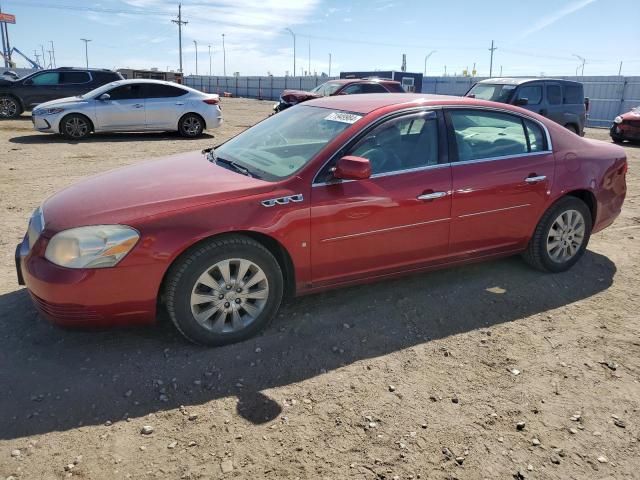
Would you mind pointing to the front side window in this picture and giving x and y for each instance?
(484, 134)
(126, 92)
(48, 78)
(492, 92)
(400, 144)
(554, 94)
(282, 144)
(533, 94)
(75, 77)
(328, 88)
(352, 89)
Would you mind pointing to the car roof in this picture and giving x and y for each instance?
(520, 81)
(148, 80)
(344, 81)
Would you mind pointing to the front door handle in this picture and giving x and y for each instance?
(138, 105)
(537, 179)
(179, 103)
(544, 112)
(432, 196)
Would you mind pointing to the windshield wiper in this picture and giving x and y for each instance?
(213, 158)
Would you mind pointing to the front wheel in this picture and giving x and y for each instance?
(9, 107)
(191, 125)
(224, 291)
(75, 127)
(561, 236)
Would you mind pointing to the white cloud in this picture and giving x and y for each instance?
(544, 22)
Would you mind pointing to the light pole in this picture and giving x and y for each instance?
(224, 58)
(209, 60)
(86, 50)
(425, 61)
(583, 60)
(53, 53)
(196, 45)
(329, 65)
(44, 60)
(294, 49)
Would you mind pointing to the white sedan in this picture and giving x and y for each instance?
(130, 105)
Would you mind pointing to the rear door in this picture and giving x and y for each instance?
(555, 108)
(164, 105)
(74, 83)
(124, 110)
(502, 170)
(396, 219)
(40, 88)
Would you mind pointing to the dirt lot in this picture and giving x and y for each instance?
(411, 378)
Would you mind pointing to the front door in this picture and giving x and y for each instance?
(394, 220)
(40, 88)
(502, 172)
(124, 110)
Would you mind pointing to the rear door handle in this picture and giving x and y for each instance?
(537, 179)
(432, 196)
(179, 103)
(138, 105)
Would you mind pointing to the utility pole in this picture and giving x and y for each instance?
(583, 61)
(37, 56)
(50, 52)
(294, 49)
(620, 69)
(180, 23)
(309, 71)
(224, 58)
(445, 70)
(329, 65)
(86, 50)
(492, 49)
(44, 59)
(209, 60)
(196, 45)
(425, 61)
(53, 53)
(500, 70)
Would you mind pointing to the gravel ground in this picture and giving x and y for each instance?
(485, 371)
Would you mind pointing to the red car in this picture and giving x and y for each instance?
(338, 191)
(348, 86)
(626, 127)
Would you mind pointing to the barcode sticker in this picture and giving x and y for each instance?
(343, 117)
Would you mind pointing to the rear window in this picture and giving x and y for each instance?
(492, 91)
(75, 77)
(573, 94)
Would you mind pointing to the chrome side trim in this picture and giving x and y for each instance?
(493, 211)
(491, 159)
(385, 174)
(382, 230)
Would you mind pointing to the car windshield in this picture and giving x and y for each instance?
(100, 90)
(282, 144)
(326, 89)
(494, 92)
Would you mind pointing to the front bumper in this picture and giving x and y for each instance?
(624, 131)
(45, 123)
(103, 297)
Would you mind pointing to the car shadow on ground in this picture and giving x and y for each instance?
(105, 137)
(56, 380)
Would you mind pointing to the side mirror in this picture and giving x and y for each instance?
(471, 95)
(352, 168)
(522, 101)
(104, 97)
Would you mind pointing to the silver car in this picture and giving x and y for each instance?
(130, 105)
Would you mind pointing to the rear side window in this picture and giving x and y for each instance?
(537, 138)
(554, 94)
(573, 95)
(373, 88)
(105, 77)
(353, 89)
(153, 90)
(394, 87)
(126, 92)
(533, 94)
(75, 77)
(482, 134)
(48, 78)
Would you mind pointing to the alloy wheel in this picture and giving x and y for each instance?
(566, 236)
(229, 295)
(192, 126)
(76, 127)
(8, 107)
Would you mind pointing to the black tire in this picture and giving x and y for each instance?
(191, 125)
(75, 126)
(617, 139)
(183, 279)
(10, 107)
(572, 128)
(537, 255)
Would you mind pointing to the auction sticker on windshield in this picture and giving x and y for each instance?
(343, 117)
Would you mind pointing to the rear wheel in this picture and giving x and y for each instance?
(75, 126)
(561, 236)
(9, 107)
(224, 291)
(191, 125)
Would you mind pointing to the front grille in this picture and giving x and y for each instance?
(633, 123)
(65, 311)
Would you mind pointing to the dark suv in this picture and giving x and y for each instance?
(562, 101)
(22, 94)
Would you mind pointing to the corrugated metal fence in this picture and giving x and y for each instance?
(609, 95)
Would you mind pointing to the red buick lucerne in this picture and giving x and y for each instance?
(336, 191)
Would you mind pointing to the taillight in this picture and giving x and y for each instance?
(212, 101)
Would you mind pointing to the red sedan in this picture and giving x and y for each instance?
(336, 191)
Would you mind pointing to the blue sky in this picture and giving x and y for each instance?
(532, 37)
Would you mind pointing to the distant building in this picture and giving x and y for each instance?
(153, 74)
(411, 82)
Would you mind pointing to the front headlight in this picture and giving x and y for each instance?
(617, 120)
(97, 246)
(48, 111)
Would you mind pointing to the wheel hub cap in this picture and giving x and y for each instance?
(566, 236)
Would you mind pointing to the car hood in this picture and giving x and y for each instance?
(129, 194)
(6, 81)
(61, 102)
(632, 115)
(297, 96)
